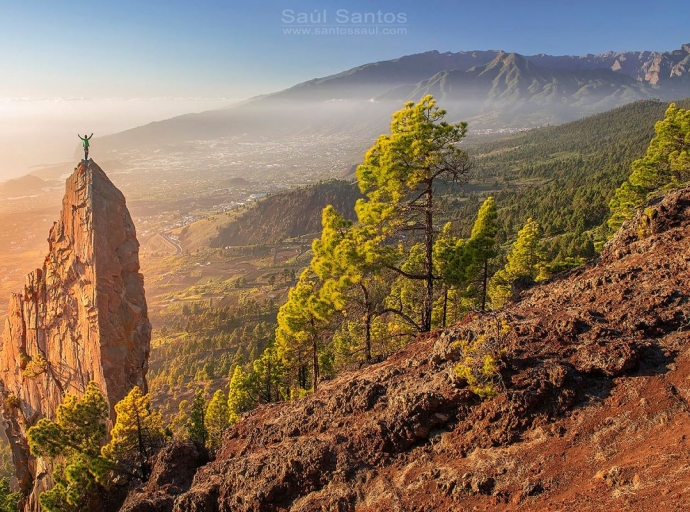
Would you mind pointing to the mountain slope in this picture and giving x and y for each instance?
(564, 176)
(594, 414)
(362, 82)
(477, 86)
(369, 80)
(511, 81)
(289, 214)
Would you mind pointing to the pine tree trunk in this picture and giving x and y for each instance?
(485, 281)
(445, 306)
(315, 362)
(429, 260)
(367, 324)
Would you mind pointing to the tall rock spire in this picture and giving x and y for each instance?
(82, 316)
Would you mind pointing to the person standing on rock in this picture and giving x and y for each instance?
(85, 140)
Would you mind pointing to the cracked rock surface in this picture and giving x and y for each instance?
(81, 317)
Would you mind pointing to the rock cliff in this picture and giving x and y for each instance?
(82, 316)
(593, 412)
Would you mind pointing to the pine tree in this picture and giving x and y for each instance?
(665, 165)
(196, 427)
(526, 260)
(217, 419)
(9, 501)
(73, 443)
(136, 436)
(301, 321)
(179, 423)
(399, 175)
(266, 381)
(350, 279)
(482, 246)
(239, 399)
(407, 294)
(451, 259)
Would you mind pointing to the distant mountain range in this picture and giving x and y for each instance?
(661, 69)
(491, 89)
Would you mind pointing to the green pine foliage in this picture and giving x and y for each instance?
(407, 295)
(561, 176)
(239, 394)
(196, 423)
(482, 249)
(451, 268)
(302, 321)
(526, 260)
(420, 252)
(136, 436)
(665, 165)
(399, 176)
(344, 259)
(209, 342)
(9, 500)
(217, 419)
(73, 444)
(267, 381)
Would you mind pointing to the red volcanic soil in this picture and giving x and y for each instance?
(593, 414)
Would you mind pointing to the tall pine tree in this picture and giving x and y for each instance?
(196, 424)
(350, 277)
(300, 332)
(73, 443)
(239, 398)
(217, 419)
(399, 177)
(482, 247)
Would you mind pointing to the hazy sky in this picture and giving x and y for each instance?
(96, 64)
(129, 48)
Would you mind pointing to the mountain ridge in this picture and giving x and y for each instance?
(361, 99)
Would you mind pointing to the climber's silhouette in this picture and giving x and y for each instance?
(85, 140)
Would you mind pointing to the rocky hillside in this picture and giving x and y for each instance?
(81, 317)
(593, 413)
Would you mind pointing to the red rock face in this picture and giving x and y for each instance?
(81, 317)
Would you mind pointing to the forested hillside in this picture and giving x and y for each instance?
(562, 176)
(287, 215)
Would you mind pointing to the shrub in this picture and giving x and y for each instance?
(35, 367)
(480, 366)
(11, 402)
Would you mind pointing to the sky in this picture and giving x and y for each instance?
(116, 64)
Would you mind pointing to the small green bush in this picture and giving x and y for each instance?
(480, 366)
(11, 402)
(35, 367)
